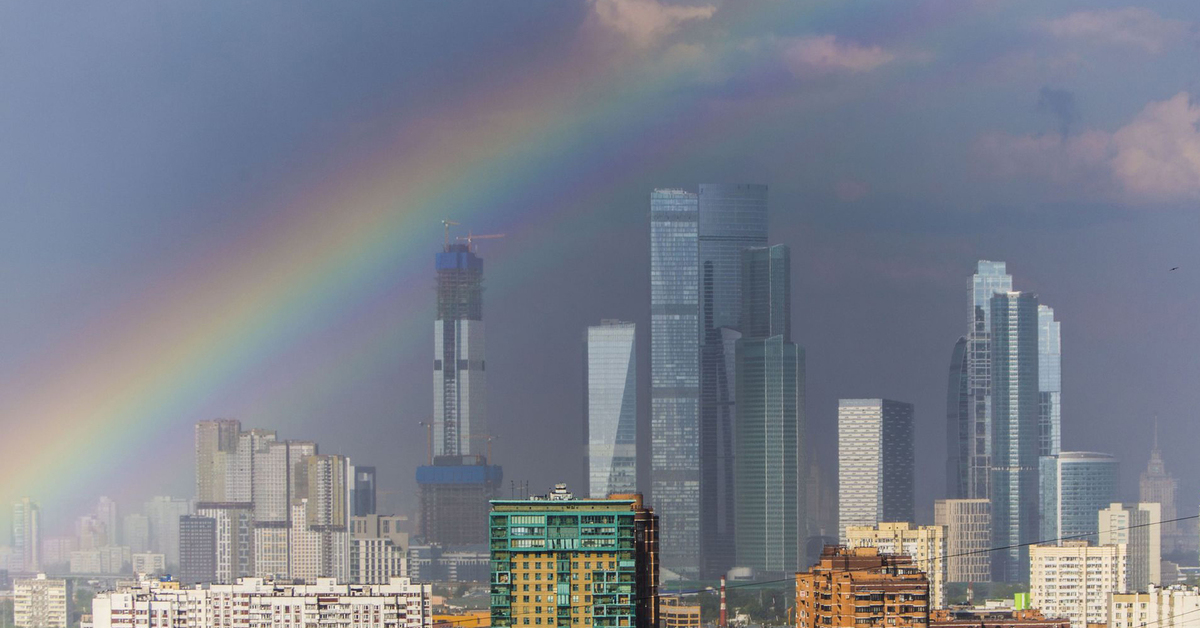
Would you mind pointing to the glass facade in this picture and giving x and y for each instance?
(990, 278)
(875, 462)
(610, 428)
(1049, 383)
(732, 217)
(675, 376)
(458, 356)
(1014, 387)
(959, 436)
(1076, 486)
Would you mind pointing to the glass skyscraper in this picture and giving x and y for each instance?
(1049, 383)
(732, 217)
(1014, 416)
(770, 418)
(875, 462)
(458, 361)
(959, 431)
(1076, 486)
(610, 426)
(990, 278)
(675, 376)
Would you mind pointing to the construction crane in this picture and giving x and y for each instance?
(446, 225)
(470, 238)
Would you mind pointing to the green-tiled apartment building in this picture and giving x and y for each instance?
(574, 563)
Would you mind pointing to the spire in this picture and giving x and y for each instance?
(1156, 432)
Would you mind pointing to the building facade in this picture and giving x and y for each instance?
(364, 491)
(675, 375)
(1049, 382)
(163, 513)
(875, 462)
(925, 545)
(968, 524)
(1075, 487)
(1075, 580)
(960, 439)
(611, 403)
(26, 537)
(1136, 526)
(993, 618)
(561, 561)
(378, 549)
(674, 613)
(1176, 606)
(1157, 485)
(1014, 417)
(454, 493)
(459, 366)
(853, 588)
(989, 279)
(197, 549)
(40, 602)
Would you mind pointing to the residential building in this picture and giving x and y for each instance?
(675, 336)
(1014, 421)
(108, 515)
(40, 602)
(106, 560)
(453, 495)
(674, 613)
(148, 564)
(257, 603)
(1049, 382)
(769, 496)
(26, 537)
(434, 563)
(562, 561)
(1157, 485)
(989, 279)
(611, 407)
(1075, 487)
(216, 441)
(234, 538)
(850, 588)
(1175, 606)
(1074, 580)
(197, 549)
(992, 618)
(968, 524)
(875, 462)
(731, 218)
(135, 531)
(164, 513)
(56, 551)
(1137, 527)
(378, 549)
(925, 545)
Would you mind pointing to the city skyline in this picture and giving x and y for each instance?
(184, 249)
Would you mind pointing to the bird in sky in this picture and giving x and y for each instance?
(1176, 268)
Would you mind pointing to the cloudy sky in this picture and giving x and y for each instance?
(230, 209)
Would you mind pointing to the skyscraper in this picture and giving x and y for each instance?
(770, 418)
(1049, 383)
(364, 491)
(1156, 485)
(675, 376)
(458, 361)
(164, 513)
(215, 441)
(1076, 486)
(990, 278)
(875, 462)
(197, 549)
(960, 437)
(610, 424)
(1015, 443)
(968, 525)
(732, 217)
(26, 536)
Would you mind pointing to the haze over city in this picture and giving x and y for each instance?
(232, 210)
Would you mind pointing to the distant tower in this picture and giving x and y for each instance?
(610, 425)
(1158, 486)
(1076, 486)
(26, 536)
(1049, 382)
(875, 462)
(960, 437)
(458, 361)
(990, 278)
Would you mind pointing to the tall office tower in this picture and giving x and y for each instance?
(197, 542)
(769, 496)
(164, 513)
(26, 537)
(675, 376)
(458, 361)
(926, 545)
(216, 440)
(109, 518)
(364, 491)
(875, 462)
(732, 217)
(1049, 383)
(1136, 526)
(135, 532)
(234, 538)
(960, 437)
(610, 402)
(1014, 386)
(1158, 486)
(990, 278)
(378, 549)
(968, 525)
(1076, 486)
(1075, 580)
(610, 544)
(832, 593)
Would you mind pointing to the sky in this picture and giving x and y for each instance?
(230, 209)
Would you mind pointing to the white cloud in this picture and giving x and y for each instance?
(826, 54)
(643, 21)
(1156, 157)
(1131, 26)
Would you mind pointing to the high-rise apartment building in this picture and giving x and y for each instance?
(378, 549)
(990, 278)
(163, 514)
(26, 537)
(611, 403)
(1049, 382)
(1157, 485)
(925, 545)
(135, 532)
(234, 538)
(732, 218)
(40, 602)
(1075, 487)
(769, 389)
(1074, 580)
(108, 516)
(968, 524)
(216, 441)
(1013, 346)
(458, 362)
(197, 542)
(675, 375)
(1175, 606)
(561, 561)
(875, 462)
(851, 588)
(1137, 527)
